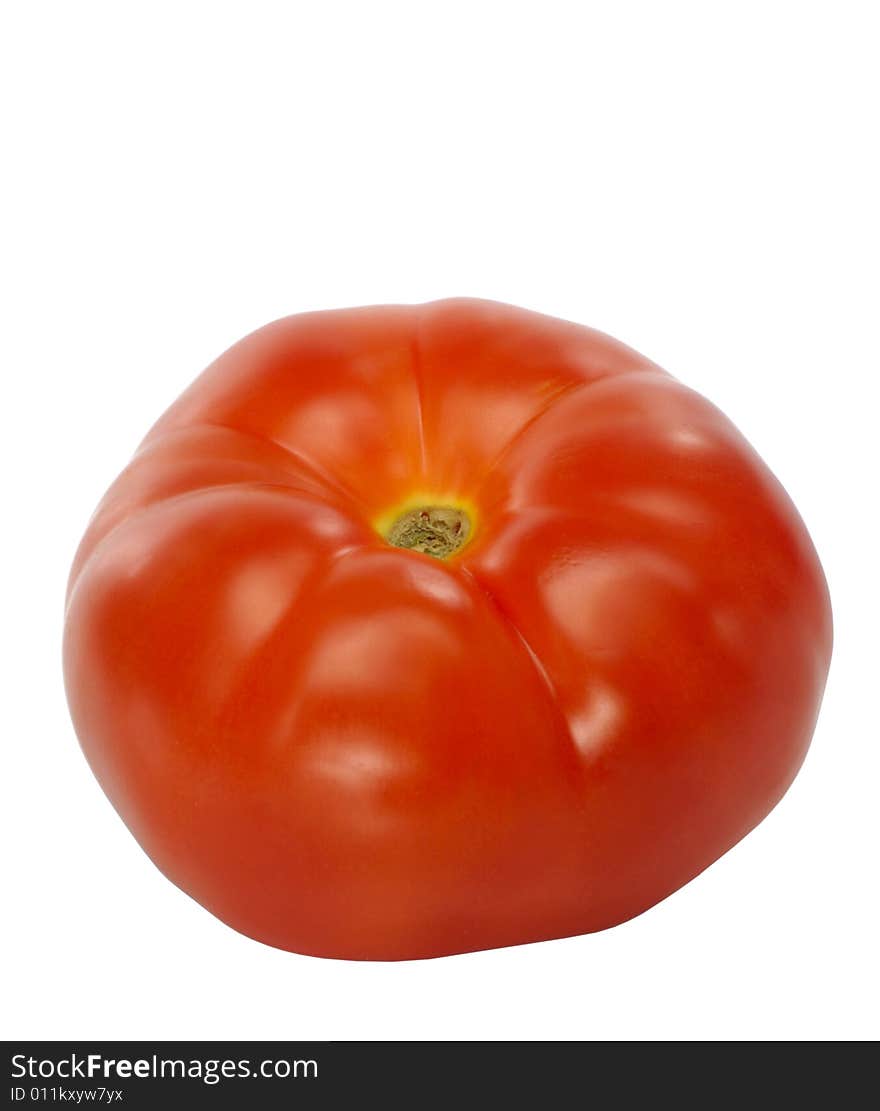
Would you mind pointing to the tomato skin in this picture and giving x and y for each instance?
(352, 750)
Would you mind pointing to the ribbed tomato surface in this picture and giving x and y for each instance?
(348, 748)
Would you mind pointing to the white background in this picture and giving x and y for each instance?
(699, 179)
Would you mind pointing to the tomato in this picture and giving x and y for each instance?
(425, 629)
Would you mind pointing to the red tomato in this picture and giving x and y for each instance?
(417, 630)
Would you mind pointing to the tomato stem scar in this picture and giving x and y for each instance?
(435, 530)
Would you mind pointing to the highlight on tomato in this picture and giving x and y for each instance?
(414, 630)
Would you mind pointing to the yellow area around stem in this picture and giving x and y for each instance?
(421, 499)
